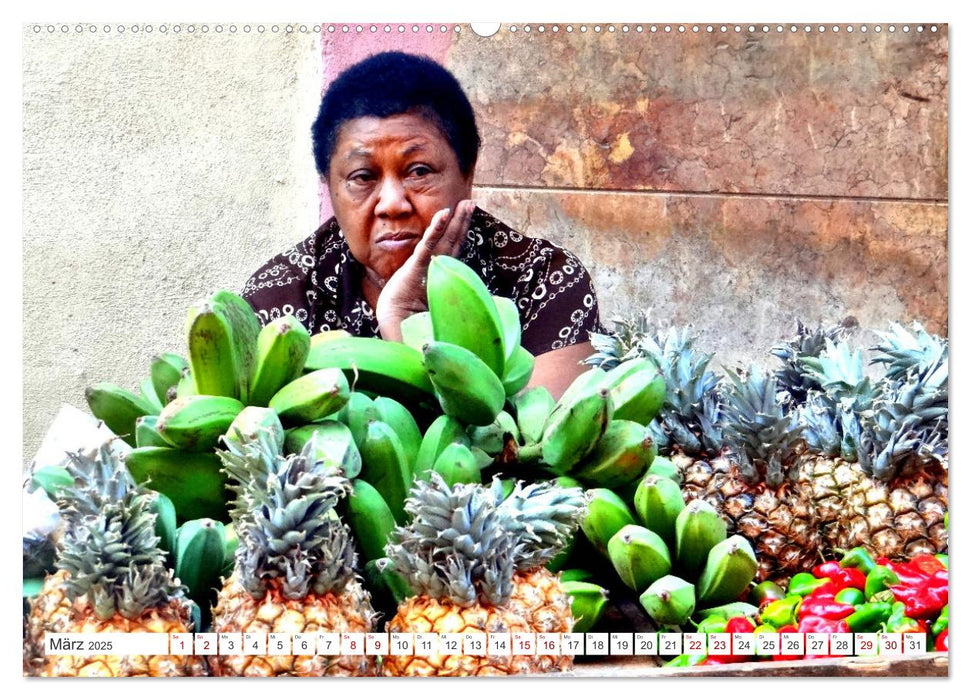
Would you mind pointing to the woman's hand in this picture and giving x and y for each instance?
(404, 292)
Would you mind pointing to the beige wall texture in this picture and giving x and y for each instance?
(157, 168)
(735, 181)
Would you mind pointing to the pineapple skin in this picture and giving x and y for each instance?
(539, 598)
(426, 614)
(51, 611)
(237, 611)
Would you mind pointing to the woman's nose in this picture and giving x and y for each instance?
(392, 198)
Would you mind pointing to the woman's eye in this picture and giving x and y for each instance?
(419, 171)
(359, 178)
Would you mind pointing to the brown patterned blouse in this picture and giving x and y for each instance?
(319, 282)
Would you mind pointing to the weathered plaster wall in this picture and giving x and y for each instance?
(157, 168)
(735, 181)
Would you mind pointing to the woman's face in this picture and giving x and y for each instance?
(387, 179)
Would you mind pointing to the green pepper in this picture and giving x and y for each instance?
(782, 612)
(765, 593)
(712, 624)
(940, 624)
(942, 558)
(898, 620)
(804, 584)
(850, 596)
(869, 617)
(767, 629)
(879, 579)
(858, 558)
(687, 660)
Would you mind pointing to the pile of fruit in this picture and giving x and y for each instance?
(857, 594)
(282, 482)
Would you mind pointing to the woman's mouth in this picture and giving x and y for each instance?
(395, 241)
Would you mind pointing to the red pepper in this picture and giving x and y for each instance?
(740, 625)
(923, 594)
(928, 563)
(824, 606)
(940, 644)
(713, 661)
(839, 577)
(824, 626)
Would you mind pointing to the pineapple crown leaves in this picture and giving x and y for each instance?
(110, 548)
(839, 372)
(284, 513)
(829, 428)
(901, 351)
(455, 546)
(628, 340)
(809, 342)
(764, 437)
(542, 517)
(908, 426)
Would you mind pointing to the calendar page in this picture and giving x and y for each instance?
(538, 349)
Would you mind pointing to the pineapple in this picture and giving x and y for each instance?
(111, 577)
(878, 452)
(460, 554)
(294, 568)
(542, 518)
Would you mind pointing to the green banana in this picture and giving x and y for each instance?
(467, 389)
(249, 424)
(185, 387)
(730, 568)
(591, 380)
(512, 329)
(147, 434)
(382, 579)
(333, 444)
(416, 330)
(457, 465)
(640, 557)
(491, 438)
(281, 349)
(463, 312)
(658, 502)
(400, 419)
(623, 453)
(575, 427)
(196, 423)
(199, 558)
(165, 523)
(192, 480)
(245, 326)
(386, 467)
(606, 515)
(637, 389)
(669, 600)
(697, 529)
(229, 556)
(727, 611)
(443, 431)
(519, 370)
(575, 575)
(118, 408)
(166, 372)
(662, 466)
(533, 407)
(212, 352)
(311, 397)
(387, 368)
(370, 518)
(52, 479)
(587, 603)
(147, 391)
(357, 413)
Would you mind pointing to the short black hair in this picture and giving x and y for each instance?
(392, 83)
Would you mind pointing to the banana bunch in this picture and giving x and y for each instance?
(674, 557)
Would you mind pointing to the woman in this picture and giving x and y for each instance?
(395, 142)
